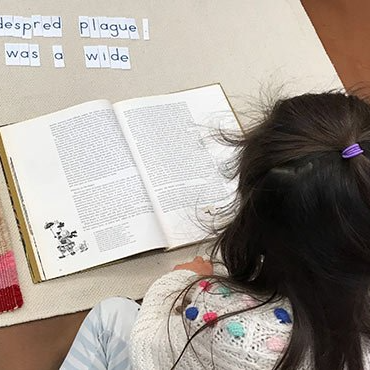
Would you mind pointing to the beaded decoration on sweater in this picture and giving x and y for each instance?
(254, 339)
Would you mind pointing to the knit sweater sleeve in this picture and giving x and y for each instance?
(153, 317)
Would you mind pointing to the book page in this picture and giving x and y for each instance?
(179, 159)
(84, 200)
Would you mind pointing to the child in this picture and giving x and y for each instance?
(297, 252)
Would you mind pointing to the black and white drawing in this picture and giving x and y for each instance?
(67, 244)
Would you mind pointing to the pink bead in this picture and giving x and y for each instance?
(276, 344)
(205, 285)
(210, 316)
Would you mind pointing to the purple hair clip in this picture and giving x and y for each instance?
(352, 151)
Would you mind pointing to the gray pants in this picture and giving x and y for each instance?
(102, 342)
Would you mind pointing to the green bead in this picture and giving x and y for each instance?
(235, 329)
(225, 291)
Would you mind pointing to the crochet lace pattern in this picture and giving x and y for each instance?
(254, 339)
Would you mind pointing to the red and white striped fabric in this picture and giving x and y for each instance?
(10, 293)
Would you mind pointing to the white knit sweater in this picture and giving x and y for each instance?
(251, 340)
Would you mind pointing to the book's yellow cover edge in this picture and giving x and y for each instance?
(21, 221)
(232, 109)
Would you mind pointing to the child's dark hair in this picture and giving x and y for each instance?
(306, 209)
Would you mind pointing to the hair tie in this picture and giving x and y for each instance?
(352, 151)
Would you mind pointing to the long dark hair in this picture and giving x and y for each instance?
(307, 211)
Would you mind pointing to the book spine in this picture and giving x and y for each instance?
(19, 215)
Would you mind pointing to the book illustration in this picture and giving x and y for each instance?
(66, 245)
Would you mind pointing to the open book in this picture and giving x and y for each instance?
(98, 182)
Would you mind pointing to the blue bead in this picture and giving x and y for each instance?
(283, 316)
(191, 313)
(235, 329)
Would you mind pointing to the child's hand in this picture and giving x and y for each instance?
(198, 265)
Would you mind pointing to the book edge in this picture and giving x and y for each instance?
(20, 219)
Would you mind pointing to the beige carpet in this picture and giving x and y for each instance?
(244, 44)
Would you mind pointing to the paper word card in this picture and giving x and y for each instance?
(111, 27)
(22, 55)
(26, 27)
(107, 57)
